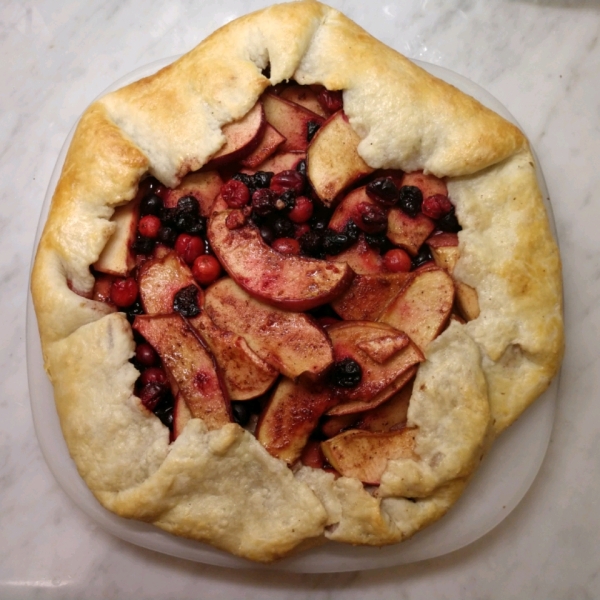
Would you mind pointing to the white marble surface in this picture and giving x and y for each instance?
(540, 58)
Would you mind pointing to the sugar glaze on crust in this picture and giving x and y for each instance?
(222, 487)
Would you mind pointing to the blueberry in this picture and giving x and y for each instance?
(188, 204)
(449, 223)
(167, 236)
(311, 244)
(164, 409)
(151, 205)
(186, 302)
(377, 241)
(134, 310)
(422, 257)
(410, 200)
(241, 413)
(352, 231)
(142, 245)
(267, 233)
(346, 373)
(383, 190)
(311, 128)
(283, 228)
(334, 243)
(262, 179)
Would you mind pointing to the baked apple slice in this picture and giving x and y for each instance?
(290, 342)
(291, 120)
(241, 137)
(389, 416)
(202, 185)
(189, 363)
(422, 308)
(365, 454)
(444, 250)
(304, 96)
(181, 415)
(286, 281)
(289, 418)
(117, 258)
(270, 142)
(407, 232)
(286, 161)
(361, 258)
(467, 300)
(333, 162)
(348, 208)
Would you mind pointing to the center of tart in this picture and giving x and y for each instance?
(289, 287)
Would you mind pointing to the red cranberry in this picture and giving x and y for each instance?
(189, 247)
(302, 211)
(102, 287)
(235, 219)
(151, 395)
(383, 190)
(436, 206)
(331, 101)
(287, 180)
(286, 246)
(371, 218)
(206, 269)
(397, 261)
(124, 292)
(263, 202)
(146, 355)
(235, 193)
(149, 226)
(154, 375)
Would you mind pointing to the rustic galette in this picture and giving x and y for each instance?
(291, 287)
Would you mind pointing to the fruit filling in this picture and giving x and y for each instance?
(288, 287)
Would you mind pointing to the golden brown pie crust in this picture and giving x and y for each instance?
(221, 486)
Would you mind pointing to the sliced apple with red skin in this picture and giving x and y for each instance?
(290, 417)
(287, 161)
(290, 342)
(286, 281)
(407, 232)
(241, 137)
(270, 142)
(160, 279)
(312, 455)
(245, 374)
(349, 340)
(368, 296)
(422, 308)
(444, 250)
(430, 185)
(305, 97)
(347, 209)
(364, 454)
(117, 258)
(361, 258)
(334, 425)
(181, 415)
(467, 301)
(202, 185)
(291, 120)
(190, 364)
(333, 162)
(389, 416)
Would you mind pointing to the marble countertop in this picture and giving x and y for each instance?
(541, 58)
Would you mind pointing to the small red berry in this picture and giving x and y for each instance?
(286, 246)
(206, 269)
(302, 211)
(397, 261)
(287, 180)
(146, 355)
(189, 247)
(436, 206)
(124, 292)
(150, 395)
(371, 218)
(149, 226)
(154, 375)
(331, 101)
(235, 193)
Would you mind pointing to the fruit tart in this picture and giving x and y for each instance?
(291, 288)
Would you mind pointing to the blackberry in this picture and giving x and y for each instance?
(262, 179)
(142, 245)
(263, 202)
(422, 257)
(410, 200)
(311, 128)
(134, 310)
(311, 244)
(167, 236)
(186, 302)
(377, 241)
(449, 223)
(245, 179)
(334, 242)
(283, 228)
(188, 204)
(383, 190)
(164, 409)
(151, 204)
(352, 231)
(168, 216)
(346, 373)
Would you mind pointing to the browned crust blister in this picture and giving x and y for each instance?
(221, 486)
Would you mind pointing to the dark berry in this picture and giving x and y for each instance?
(422, 257)
(150, 395)
(133, 311)
(241, 413)
(377, 241)
(146, 355)
(311, 244)
(283, 228)
(124, 292)
(247, 180)
(352, 231)
(383, 190)
(188, 204)
(301, 167)
(286, 246)
(167, 236)
(286, 201)
(164, 409)
(410, 200)
(311, 128)
(287, 180)
(186, 302)
(168, 216)
(151, 205)
(267, 233)
(449, 223)
(346, 373)
(263, 202)
(143, 245)
(371, 218)
(154, 376)
(334, 242)
(262, 179)
(436, 206)
(197, 226)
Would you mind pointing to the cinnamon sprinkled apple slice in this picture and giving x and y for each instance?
(285, 281)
